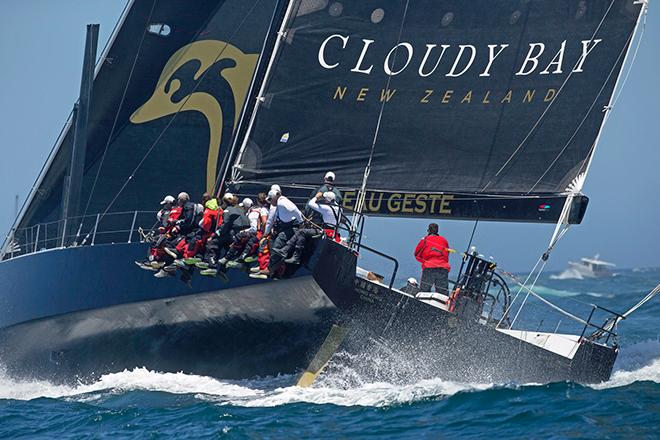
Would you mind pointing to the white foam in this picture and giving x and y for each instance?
(374, 394)
(255, 393)
(638, 362)
(568, 274)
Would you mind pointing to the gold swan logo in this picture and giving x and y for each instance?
(234, 66)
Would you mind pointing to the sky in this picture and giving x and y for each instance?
(41, 48)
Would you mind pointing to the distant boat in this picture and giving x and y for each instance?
(591, 268)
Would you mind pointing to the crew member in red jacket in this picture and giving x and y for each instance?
(433, 252)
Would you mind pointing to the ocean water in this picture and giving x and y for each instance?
(147, 404)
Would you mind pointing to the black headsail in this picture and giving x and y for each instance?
(167, 97)
(492, 108)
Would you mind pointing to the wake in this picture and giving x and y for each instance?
(638, 362)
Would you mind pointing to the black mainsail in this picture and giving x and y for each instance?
(491, 111)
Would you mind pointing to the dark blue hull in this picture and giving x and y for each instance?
(80, 312)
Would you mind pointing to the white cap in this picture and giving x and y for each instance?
(272, 193)
(329, 196)
(276, 187)
(413, 281)
(168, 199)
(330, 175)
(228, 196)
(183, 196)
(247, 203)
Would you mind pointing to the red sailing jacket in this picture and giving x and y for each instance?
(209, 221)
(432, 252)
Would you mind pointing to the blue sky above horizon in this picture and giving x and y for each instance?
(41, 45)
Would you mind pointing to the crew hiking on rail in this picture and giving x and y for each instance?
(211, 237)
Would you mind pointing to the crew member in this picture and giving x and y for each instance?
(155, 253)
(329, 185)
(164, 214)
(234, 220)
(168, 238)
(207, 225)
(433, 252)
(329, 212)
(411, 287)
(247, 240)
(283, 219)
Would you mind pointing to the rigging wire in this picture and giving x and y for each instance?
(547, 109)
(367, 170)
(645, 5)
(173, 118)
(649, 296)
(545, 301)
(586, 116)
(559, 233)
(587, 163)
(227, 163)
(116, 119)
(508, 309)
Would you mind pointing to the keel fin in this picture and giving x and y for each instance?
(328, 348)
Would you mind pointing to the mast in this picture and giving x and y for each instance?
(71, 200)
(61, 137)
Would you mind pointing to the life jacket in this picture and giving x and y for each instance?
(209, 220)
(175, 213)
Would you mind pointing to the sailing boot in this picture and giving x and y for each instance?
(209, 272)
(171, 268)
(296, 258)
(192, 261)
(146, 265)
(250, 259)
(171, 252)
(206, 264)
(262, 274)
(234, 264)
(162, 274)
(202, 265)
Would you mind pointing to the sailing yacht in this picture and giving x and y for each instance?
(424, 109)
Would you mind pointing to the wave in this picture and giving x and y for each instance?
(568, 274)
(549, 291)
(636, 363)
